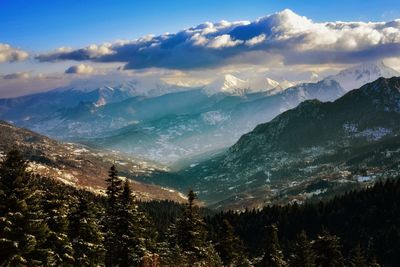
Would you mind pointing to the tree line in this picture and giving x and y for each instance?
(46, 223)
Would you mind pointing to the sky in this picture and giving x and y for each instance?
(45, 44)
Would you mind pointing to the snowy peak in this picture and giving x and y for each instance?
(230, 84)
(227, 84)
(359, 75)
(271, 84)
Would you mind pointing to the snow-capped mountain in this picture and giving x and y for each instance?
(228, 84)
(261, 83)
(359, 75)
(171, 123)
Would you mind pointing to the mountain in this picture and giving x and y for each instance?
(227, 84)
(81, 166)
(37, 107)
(265, 84)
(312, 150)
(179, 124)
(359, 75)
(47, 108)
(209, 126)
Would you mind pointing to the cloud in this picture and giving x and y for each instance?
(296, 39)
(224, 40)
(11, 54)
(80, 69)
(17, 75)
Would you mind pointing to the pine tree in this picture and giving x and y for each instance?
(303, 252)
(328, 250)
(22, 229)
(273, 256)
(131, 247)
(229, 246)
(191, 236)
(85, 235)
(55, 207)
(357, 258)
(114, 189)
(170, 252)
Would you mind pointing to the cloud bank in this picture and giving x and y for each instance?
(11, 54)
(293, 38)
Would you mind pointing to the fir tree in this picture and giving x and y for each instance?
(55, 207)
(22, 229)
(170, 252)
(114, 189)
(357, 258)
(229, 246)
(303, 252)
(85, 235)
(328, 250)
(191, 236)
(273, 256)
(131, 246)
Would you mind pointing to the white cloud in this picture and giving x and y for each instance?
(80, 69)
(222, 41)
(11, 54)
(296, 39)
(256, 40)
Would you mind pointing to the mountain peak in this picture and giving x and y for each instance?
(227, 84)
(356, 76)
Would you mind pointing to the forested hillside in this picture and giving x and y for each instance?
(44, 222)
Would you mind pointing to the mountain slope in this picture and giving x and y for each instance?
(79, 165)
(340, 141)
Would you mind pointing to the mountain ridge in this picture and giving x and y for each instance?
(81, 166)
(313, 141)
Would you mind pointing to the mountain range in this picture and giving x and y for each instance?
(176, 123)
(237, 143)
(311, 150)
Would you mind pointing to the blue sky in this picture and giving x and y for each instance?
(296, 40)
(44, 25)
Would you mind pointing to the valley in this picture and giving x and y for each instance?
(237, 147)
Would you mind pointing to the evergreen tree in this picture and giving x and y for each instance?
(22, 229)
(357, 258)
(273, 256)
(303, 252)
(170, 252)
(328, 250)
(131, 246)
(114, 189)
(229, 246)
(85, 235)
(55, 208)
(191, 236)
